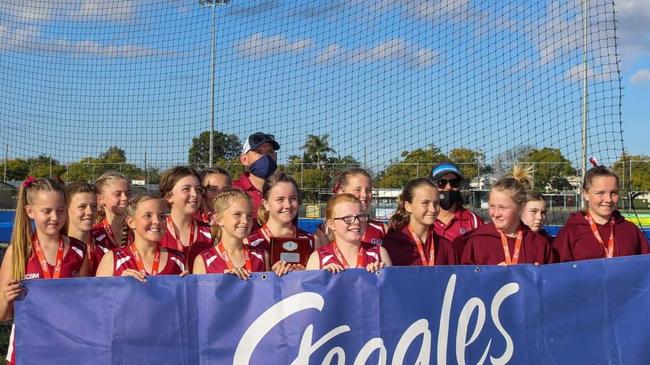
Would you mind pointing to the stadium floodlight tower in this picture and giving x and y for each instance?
(213, 4)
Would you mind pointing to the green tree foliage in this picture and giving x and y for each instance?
(550, 169)
(41, 166)
(633, 172)
(225, 147)
(114, 158)
(316, 150)
(416, 163)
(469, 161)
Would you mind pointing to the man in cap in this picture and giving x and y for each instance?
(453, 219)
(259, 157)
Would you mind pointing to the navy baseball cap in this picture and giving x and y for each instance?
(257, 139)
(444, 168)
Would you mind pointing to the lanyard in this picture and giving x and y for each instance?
(360, 257)
(179, 245)
(420, 247)
(140, 264)
(506, 250)
(247, 257)
(43, 261)
(266, 232)
(609, 249)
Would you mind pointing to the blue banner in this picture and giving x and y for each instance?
(583, 312)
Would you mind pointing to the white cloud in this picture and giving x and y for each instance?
(633, 30)
(260, 46)
(30, 11)
(597, 73)
(642, 76)
(395, 49)
(103, 10)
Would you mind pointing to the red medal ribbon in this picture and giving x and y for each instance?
(420, 247)
(361, 257)
(179, 244)
(247, 257)
(609, 249)
(140, 264)
(506, 250)
(109, 233)
(41, 258)
(266, 232)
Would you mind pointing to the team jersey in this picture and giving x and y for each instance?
(368, 253)
(106, 238)
(216, 264)
(463, 221)
(244, 184)
(262, 240)
(123, 259)
(375, 231)
(403, 250)
(201, 241)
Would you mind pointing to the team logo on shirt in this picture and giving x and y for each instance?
(31, 276)
(290, 246)
(376, 241)
(463, 230)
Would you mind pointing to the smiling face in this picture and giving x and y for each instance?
(148, 221)
(82, 210)
(602, 197)
(424, 208)
(282, 203)
(236, 221)
(113, 196)
(185, 197)
(213, 184)
(342, 231)
(504, 212)
(534, 214)
(359, 185)
(48, 210)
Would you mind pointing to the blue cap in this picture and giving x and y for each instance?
(444, 168)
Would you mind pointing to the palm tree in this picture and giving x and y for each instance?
(316, 150)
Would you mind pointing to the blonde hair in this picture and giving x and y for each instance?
(105, 180)
(401, 217)
(275, 179)
(21, 235)
(132, 203)
(515, 185)
(222, 202)
(331, 205)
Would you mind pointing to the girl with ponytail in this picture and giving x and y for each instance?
(411, 238)
(43, 253)
(505, 240)
(113, 191)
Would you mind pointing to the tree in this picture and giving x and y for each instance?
(17, 169)
(550, 167)
(469, 161)
(502, 162)
(316, 150)
(633, 171)
(416, 163)
(224, 147)
(114, 158)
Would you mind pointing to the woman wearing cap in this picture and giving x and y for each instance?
(453, 219)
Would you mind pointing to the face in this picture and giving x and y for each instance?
(251, 156)
(425, 206)
(448, 182)
(213, 184)
(534, 214)
(602, 196)
(282, 203)
(148, 222)
(114, 196)
(504, 212)
(343, 231)
(237, 220)
(359, 186)
(48, 212)
(186, 196)
(82, 210)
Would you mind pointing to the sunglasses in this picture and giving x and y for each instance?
(351, 219)
(454, 183)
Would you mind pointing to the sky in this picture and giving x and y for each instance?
(380, 77)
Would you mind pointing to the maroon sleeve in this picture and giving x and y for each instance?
(467, 256)
(562, 246)
(459, 244)
(446, 254)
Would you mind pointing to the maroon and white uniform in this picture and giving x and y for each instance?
(483, 246)
(463, 221)
(71, 264)
(123, 259)
(201, 241)
(106, 238)
(375, 231)
(576, 241)
(369, 253)
(216, 264)
(244, 184)
(403, 250)
(261, 240)
(95, 254)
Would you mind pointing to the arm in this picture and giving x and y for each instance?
(312, 263)
(385, 257)
(105, 267)
(11, 288)
(320, 239)
(85, 267)
(199, 266)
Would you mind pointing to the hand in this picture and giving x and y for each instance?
(135, 274)
(239, 272)
(375, 266)
(281, 268)
(11, 290)
(333, 268)
(184, 273)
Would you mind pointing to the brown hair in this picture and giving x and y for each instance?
(401, 217)
(214, 171)
(74, 188)
(344, 178)
(597, 171)
(275, 179)
(222, 202)
(331, 204)
(21, 235)
(172, 176)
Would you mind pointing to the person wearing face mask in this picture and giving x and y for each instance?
(453, 219)
(259, 157)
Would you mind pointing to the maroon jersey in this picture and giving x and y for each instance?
(70, 265)
(216, 264)
(261, 240)
(123, 259)
(202, 241)
(483, 247)
(244, 183)
(375, 231)
(576, 241)
(463, 221)
(95, 254)
(403, 251)
(371, 253)
(104, 237)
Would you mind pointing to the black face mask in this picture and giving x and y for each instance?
(449, 199)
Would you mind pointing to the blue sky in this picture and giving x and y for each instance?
(379, 76)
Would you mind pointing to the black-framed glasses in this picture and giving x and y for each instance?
(351, 219)
(454, 183)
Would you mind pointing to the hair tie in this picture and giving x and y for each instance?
(29, 181)
(593, 161)
(336, 187)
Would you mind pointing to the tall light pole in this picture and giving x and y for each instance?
(213, 4)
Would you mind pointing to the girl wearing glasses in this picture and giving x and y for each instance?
(181, 188)
(412, 240)
(357, 181)
(346, 223)
(214, 180)
(505, 240)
